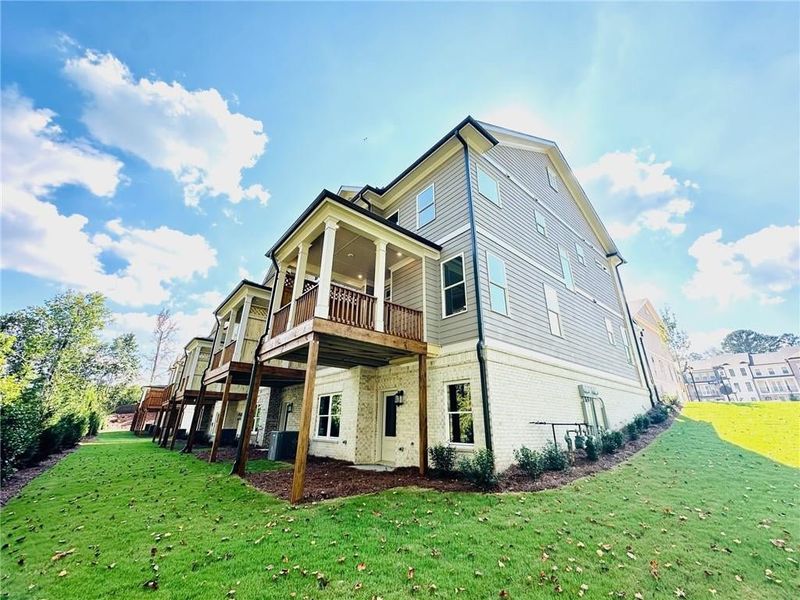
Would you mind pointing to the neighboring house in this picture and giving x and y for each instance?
(664, 372)
(745, 377)
(471, 302)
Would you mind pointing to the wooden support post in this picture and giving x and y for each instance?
(195, 419)
(167, 426)
(242, 452)
(157, 423)
(299, 479)
(178, 419)
(223, 409)
(423, 413)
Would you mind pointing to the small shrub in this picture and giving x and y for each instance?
(642, 422)
(479, 470)
(658, 414)
(94, 424)
(554, 458)
(591, 448)
(609, 442)
(529, 461)
(443, 458)
(580, 442)
(632, 430)
(619, 439)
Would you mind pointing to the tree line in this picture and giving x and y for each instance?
(59, 377)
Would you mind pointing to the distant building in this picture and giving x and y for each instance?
(660, 363)
(745, 377)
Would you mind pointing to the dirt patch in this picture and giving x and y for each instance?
(229, 454)
(327, 478)
(14, 484)
(118, 422)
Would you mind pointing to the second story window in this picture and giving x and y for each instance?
(426, 206)
(553, 310)
(610, 331)
(454, 289)
(498, 288)
(749, 386)
(566, 268)
(623, 335)
(541, 222)
(487, 187)
(742, 370)
(579, 253)
(732, 373)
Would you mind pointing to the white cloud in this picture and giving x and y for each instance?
(40, 241)
(36, 157)
(761, 266)
(700, 341)
(636, 289)
(191, 134)
(639, 193)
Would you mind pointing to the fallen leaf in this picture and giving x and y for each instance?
(361, 566)
(680, 593)
(60, 555)
(410, 573)
(62, 573)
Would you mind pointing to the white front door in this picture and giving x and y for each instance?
(388, 425)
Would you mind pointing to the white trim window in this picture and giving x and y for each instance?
(426, 206)
(553, 310)
(460, 428)
(454, 287)
(552, 179)
(488, 187)
(743, 371)
(610, 331)
(623, 335)
(749, 386)
(566, 268)
(579, 253)
(498, 285)
(329, 415)
(541, 222)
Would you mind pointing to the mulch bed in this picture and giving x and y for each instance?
(328, 478)
(14, 484)
(227, 453)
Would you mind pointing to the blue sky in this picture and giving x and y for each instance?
(146, 137)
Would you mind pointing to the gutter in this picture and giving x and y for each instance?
(639, 347)
(481, 346)
(252, 388)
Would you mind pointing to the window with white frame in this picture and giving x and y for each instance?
(737, 387)
(566, 268)
(732, 373)
(498, 287)
(552, 179)
(758, 371)
(771, 371)
(610, 331)
(488, 187)
(742, 370)
(792, 385)
(329, 415)
(785, 370)
(426, 206)
(749, 386)
(459, 414)
(623, 335)
(454, 289)
(763, 387)
(579, 253)
(553, 310)
(541, 222)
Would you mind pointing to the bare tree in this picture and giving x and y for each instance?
(163, 337)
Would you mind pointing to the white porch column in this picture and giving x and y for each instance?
(237, 351)
(322, 309)
(231, 324)
(380, 283)
(193, 366)
(277, 294)
(299, 277)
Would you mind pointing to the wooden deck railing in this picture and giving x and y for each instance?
(352, 308)
(280, 321)
(305, 305)
(402, 321)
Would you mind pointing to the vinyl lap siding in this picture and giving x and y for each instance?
(451, 214)
(512, 226)
(407, 285)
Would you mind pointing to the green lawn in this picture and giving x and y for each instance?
(696, 511)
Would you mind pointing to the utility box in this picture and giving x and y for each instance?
(282, 445)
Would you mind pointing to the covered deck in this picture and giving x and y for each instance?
(153, 396)
(362, 302)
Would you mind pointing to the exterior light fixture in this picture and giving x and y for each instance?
(398, 398)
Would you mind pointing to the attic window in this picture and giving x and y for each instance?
(552, 179)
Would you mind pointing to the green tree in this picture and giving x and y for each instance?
(676, 339)
(753, 342)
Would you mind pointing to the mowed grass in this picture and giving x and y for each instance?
(690, 514)
(770, 428)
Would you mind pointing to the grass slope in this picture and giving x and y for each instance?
(770, 428)
(696, 511)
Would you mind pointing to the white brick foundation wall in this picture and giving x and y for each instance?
(522, 389)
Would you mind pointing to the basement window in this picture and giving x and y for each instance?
(459, 414)
(329, 416)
